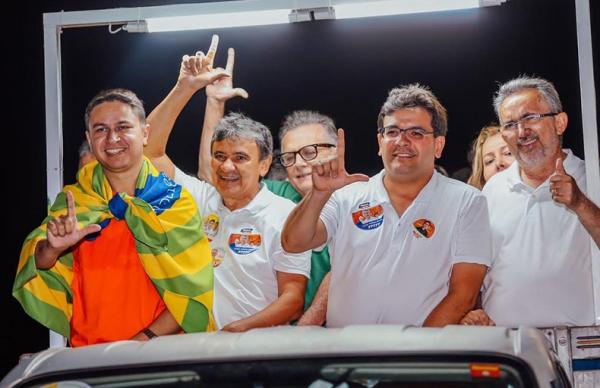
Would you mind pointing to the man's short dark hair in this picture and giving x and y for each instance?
(412, 96)
(122, 95)
(239, 126)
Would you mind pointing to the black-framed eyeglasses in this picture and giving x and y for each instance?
(530, 118)
(391, 132)
(307, 153)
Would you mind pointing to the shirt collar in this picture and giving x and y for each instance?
(259, 202)
(424, 195)
(515, 181)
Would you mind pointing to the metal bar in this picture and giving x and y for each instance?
(54, 143)
(590, 127)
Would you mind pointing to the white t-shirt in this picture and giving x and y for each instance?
(246, 248)
(541, 273)
(391, 269)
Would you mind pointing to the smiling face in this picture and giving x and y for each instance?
(405, 159)
(117, 138)
(299, 174)
(535, 145)
(236, 170)
(496, 156)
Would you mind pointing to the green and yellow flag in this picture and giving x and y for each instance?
(169, 238)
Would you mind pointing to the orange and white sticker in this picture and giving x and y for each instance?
(423, 228)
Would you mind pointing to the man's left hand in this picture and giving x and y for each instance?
(235, 327)
(563, 187)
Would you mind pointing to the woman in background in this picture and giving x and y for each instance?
(490, 156)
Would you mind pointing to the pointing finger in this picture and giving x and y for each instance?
(341, 150)
(230, 60)
(70, 205)
(212, 51)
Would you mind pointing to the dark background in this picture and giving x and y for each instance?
(342, 68)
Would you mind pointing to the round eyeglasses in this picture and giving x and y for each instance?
(307, 153)
(414, 133)
(528, 119)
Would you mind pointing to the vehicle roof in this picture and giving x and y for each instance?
(287, 342)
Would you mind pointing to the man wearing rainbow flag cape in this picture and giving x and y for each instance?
(122, 254)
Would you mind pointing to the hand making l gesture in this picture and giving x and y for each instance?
(197, 71)
(330, 174)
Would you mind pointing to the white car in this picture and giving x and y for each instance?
(356, 356)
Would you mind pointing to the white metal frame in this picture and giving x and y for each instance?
(55, 22)
(590, 126)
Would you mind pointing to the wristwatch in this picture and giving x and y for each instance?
(149, 333)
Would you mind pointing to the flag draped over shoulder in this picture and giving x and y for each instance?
(169, 238)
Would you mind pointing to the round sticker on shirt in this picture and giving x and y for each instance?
(368, 217)
(217, 257)
(211, 226)
(244, 242)
(423, 228)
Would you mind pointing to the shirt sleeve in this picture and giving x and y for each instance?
(296, 263)
(473, 241)
(330, 216)
(197, 188)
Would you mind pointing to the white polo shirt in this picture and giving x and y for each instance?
(541, 273)
(246, 248)
(391, 269)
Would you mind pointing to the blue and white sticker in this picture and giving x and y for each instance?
(368, 217)
(244, 242)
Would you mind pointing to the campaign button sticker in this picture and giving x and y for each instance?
(211, 226)
(368, 217)
(423, 228)
(217, 257)
(244, 243)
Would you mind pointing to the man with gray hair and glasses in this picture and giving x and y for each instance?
(542, 222)
(409, 245)
(257, 284)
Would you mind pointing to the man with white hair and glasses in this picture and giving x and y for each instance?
(542, 222)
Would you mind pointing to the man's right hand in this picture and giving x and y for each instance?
(330, 174)
(197, 71)
(63, 232)
(222, 89)
(477, 318)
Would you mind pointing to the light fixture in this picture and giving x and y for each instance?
(398, 7)
(218, 20)
(225, 14)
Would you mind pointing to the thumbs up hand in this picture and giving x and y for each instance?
(563, 187)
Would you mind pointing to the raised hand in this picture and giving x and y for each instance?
(330, 174)
(222, 89)
(563, 187)
(197, 71)
(63, 232)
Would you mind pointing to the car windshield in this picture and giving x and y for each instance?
(314, 373)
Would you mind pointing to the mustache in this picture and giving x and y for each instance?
(407, 151)
(526, 139)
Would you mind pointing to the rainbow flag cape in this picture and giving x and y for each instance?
(169, 238)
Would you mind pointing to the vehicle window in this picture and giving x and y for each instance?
(424, 372)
